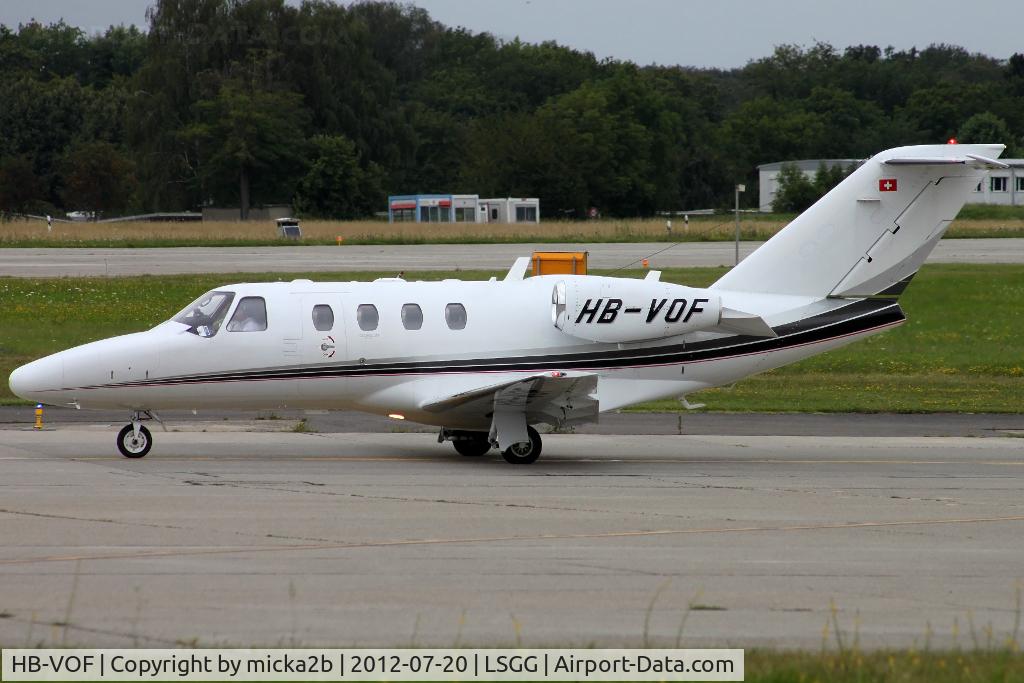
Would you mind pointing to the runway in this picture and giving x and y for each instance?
(379, 539)
(88, 262)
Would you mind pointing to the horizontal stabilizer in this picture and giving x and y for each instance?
(972, 159)
(744, 323)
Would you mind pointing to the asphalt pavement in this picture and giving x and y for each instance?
(221, 537)
(80, 262)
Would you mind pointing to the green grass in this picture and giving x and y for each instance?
(991, 212)
(894, 666)
(962, 349)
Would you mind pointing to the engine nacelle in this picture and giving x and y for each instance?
(607, 309)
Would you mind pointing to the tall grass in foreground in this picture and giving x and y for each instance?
(257, 233)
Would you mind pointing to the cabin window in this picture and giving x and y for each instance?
(412, 316)
(323, 318)
(250, 315)
(367, 317)
(455, 316)
(205, 315)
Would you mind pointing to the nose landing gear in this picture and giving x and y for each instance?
(134, 440)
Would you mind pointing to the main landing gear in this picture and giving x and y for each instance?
(525, 452)
(134, 440)
(476, 444)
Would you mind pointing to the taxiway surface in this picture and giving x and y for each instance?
(276, 538)
(82, 262)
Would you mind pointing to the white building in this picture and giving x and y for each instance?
(510, 210)
(1004, 186)
(768, 176)
(462, 208)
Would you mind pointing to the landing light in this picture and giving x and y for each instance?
(396, 416)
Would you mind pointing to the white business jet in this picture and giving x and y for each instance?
(486, 361)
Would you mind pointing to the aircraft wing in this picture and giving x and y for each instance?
(556, 398)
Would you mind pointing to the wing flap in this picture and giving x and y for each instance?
(557, 398)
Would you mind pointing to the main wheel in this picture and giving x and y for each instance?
(525, 452)
(132, 446)
(472, 447)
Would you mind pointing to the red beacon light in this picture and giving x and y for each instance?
(951, 141)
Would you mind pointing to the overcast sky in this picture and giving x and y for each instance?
(719, 33)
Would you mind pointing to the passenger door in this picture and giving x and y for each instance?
(323, 329)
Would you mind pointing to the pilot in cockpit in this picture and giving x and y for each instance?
(250, 316)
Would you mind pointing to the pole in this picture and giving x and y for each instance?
(739, 188)
(737, 225)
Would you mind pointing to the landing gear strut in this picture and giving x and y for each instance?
(134, 440)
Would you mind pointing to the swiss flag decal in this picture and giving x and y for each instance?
(887, 185)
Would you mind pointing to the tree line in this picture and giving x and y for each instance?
(331, 107)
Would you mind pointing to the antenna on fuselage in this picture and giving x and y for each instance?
(518, 269)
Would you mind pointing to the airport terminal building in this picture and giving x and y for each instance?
(462, 208)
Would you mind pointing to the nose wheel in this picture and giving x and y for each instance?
(134, 441)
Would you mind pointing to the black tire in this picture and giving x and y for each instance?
(472, 447)
(131, 447)
(526, 452)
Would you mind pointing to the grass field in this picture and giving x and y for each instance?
(962, 349)
(264, 233)
(907, 666)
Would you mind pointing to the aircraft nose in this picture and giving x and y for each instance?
(45, 374)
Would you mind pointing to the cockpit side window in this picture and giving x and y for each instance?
(249, 316)
(205, 315)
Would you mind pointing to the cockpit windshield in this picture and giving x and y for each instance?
(205, 315)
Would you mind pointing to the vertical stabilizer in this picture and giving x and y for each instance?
(873, 230)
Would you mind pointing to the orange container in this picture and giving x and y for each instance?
(560, 263)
